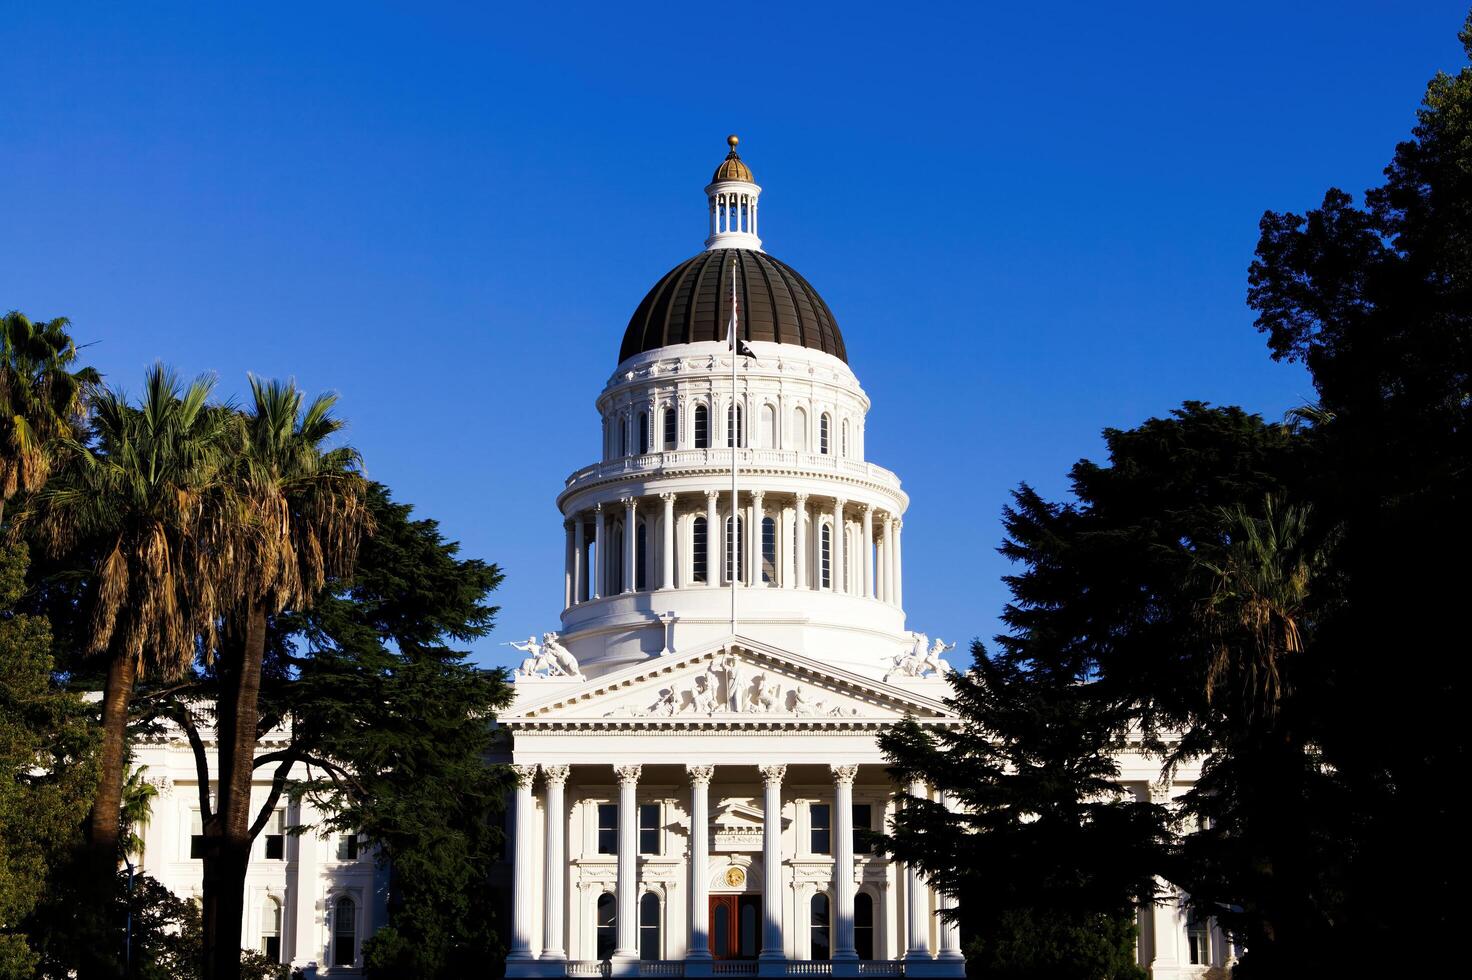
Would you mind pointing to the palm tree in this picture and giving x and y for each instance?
(307, 508)
(144, 501)
(41, 398)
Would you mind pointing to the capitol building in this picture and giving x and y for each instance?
(696, 744)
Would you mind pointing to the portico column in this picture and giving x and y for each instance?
(667, 580)
(888, 574)
(868, 556)
(600, 539)
(899, 567)
(802, 541)
(840, 580)
(626, 943)
(756, 539)
(553, 947)
(772, 946)
(700, 777)
(843, 862)
(950, 931)
(569, 558)
(580, 559)
(631, 528)
(523, 865)
(917, 912)
(714, 540)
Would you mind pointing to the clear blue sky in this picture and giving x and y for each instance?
(1031, 220)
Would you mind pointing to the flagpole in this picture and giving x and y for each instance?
(735, 446)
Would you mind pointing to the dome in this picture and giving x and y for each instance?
(732, 168)
(692, 303)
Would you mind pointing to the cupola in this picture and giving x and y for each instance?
(732, 201)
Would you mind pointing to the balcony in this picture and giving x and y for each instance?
(758, 461)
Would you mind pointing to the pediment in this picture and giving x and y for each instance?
(737, 682)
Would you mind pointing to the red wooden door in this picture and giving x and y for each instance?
(735, 926)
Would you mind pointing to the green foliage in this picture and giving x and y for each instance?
(1023, 945)
(47, 771)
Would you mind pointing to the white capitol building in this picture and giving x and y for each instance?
(697, 760)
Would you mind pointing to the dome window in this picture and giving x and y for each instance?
(643, 433)
(735, 427)
(671, 427)
(702, 427)
(734, 542)
(825, 557)
(698, 550)
(825, 424)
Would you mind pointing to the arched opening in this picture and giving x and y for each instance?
(271, 929)
(641, 557)
(735, 540)
(864, 925)
(616, 562)
(671, 427)
(702, 427)
(344, 932)
(649, 940)
(825, 557)
(769, 427)
(735, 427)
(769, 550)
(843, 439)
(824, 425)
(643, 425)
(607, 937)
(698, 550)
(800, 430)
(819, 930)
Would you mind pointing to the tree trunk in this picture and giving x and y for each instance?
(228, 855)
(104, 958)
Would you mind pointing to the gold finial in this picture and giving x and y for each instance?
(732, 141)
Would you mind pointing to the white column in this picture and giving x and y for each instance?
(626, 945)
(801, 558)
(756, 539)
(700, 777)
(554, 945)
(772, 945)
(843, 862)
(886, 575)
(868, 553)
(667, 579)
(899, 567)
(569, 558)
(580, 559)
(600, 540)
(523, 865)
(950, 932)
(917, 913)
(631, 527)
(306, 934)
(715, 541)
(840, 580)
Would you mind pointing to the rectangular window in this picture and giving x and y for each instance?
(825, 557)
(820, 824)
(643, 433)
(698, 550)
(863, 827)
(769, 550)
(196, 836)
(347, 847)
(735, 545)
(276, 837)
(649, 828)
(607, 828)
(671, 421)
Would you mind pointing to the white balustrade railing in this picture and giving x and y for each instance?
(587, 968)
(721, 459)
(881, 968)
(734, 968)
(661, 968)
(810, 968)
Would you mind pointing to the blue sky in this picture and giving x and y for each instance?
(1032, 221)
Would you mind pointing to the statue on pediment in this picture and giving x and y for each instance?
(920, 658)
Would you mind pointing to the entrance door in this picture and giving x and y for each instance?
(735, 926)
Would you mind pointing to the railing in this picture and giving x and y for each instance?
(721, 459)
(734, 968)
(587, 968)
(661, 968)
(881, 968)
(810, 968)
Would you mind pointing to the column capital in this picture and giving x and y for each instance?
(700, 775)
(598, 507)
(627, 775)
(627, 501)
(712, 494)
(772, 774)
(556, 773)
(869, 509)
(667, 496)
(524, 774)
(844, 775)
(801, 498)
(757, 495)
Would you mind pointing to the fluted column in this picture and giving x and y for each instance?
(631, 528)
(580, 559)
(523, 864)
(755, 537)
(868, 555)
(918, 908)
(887, 575)
(554, 942)
(772, 945)
(950, 931)
(802, 541)
(600, 540)
(715, 539)
(899, 566)
(843, 862)
(569, 558)
(667, 578)
(626, 945)
(840, 583)
(700, 777)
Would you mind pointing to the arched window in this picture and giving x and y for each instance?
(800, 430)
(616, 562)
(825, 557)
(843, 439)
(1198, 940)
(643, 433)
(824, 424)
(864, 925)
(607, 937)
(769, 426)
(769, 550)
(698, 550)
(344, 932)
(271, 929)
(735, 429)
(671, 427)
(623, 435)
(649, 945)
(734, 541)
(641, 557)
(702, 427)
(818, 941)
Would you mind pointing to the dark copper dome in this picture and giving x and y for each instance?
(692, 303)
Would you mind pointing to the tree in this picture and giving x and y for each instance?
(303, 516)
(47, 770)
(42, 400)
(143, 504)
